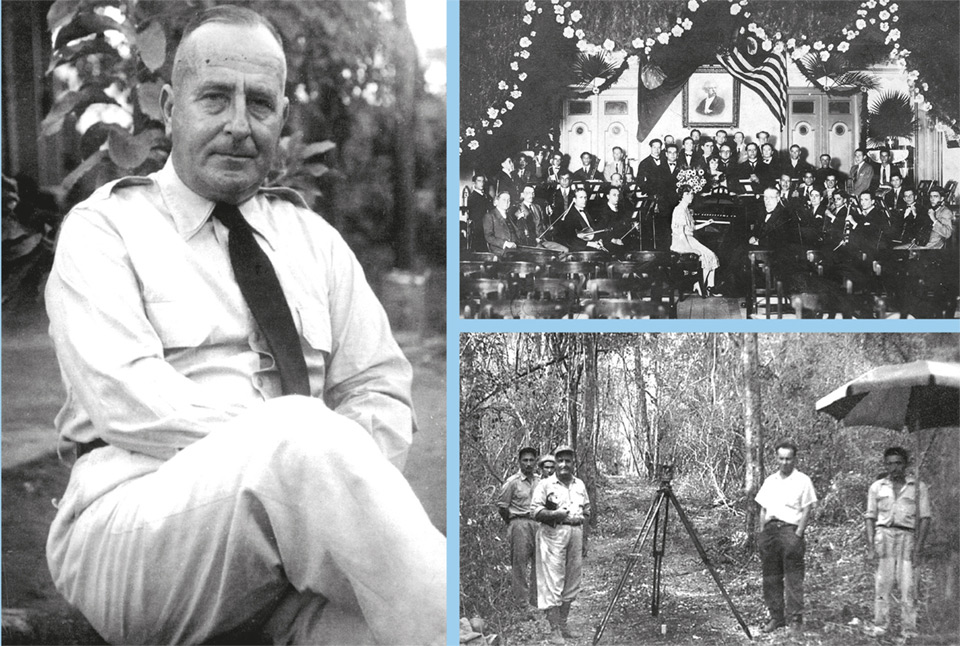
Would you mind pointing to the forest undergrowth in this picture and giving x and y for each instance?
(839, 582)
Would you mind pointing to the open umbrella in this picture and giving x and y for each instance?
(915, 396)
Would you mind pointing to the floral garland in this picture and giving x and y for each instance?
(872, 14)
(692, 177)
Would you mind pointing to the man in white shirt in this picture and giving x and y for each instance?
(225, 478)
(786, 500)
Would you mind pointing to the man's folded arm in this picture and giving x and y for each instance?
(110, 355)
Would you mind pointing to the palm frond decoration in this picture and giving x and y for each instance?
(589, 67)
(891, 115)
(834, 76)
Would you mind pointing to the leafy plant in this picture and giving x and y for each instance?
(891, 115)
(590, 67)
(835, 77)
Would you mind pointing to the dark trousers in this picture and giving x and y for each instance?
(522, 534)
(781, 556)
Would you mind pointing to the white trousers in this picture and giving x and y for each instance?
(290, 512)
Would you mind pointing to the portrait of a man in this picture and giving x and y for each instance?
(711, 105)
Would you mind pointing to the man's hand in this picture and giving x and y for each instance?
(509, 245)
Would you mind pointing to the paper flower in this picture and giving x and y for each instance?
(522, 76)
(664, 38)
(766, 45)
(559, 20)
(884, 15)
(818, 45)
(734, 9)
(575, 16)
(650, 42)
(525, 42)
(677, 31)
(693, 5)
(502, 85)
(484, 123)
(824, 55)
(884, 26)
(791, 43)
(609, 45)
(530, 5)
(514, 66)
(470, 132)
(637, 43)
(687, 24)
(516, 94)
(524, 54)
(568, 32)
(492, 113)
(861, 24)
(509, 104)
(580, 34)
(844, 46)
(527, 18)
(497, 123)
(473, 145)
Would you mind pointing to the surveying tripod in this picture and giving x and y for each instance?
(656, 519)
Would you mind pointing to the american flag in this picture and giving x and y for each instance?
(763, 72)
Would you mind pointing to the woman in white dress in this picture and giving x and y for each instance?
(684, 241)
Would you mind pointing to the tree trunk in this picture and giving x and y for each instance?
(404, 151)
(752, 434)
(587, 469)
(643, 433)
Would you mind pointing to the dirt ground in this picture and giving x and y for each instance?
(33, 612)
(838, 590)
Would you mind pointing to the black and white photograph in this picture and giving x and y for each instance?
(718, 159)
(690, 488)
(224, 342)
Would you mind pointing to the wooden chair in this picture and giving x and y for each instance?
(687, 274)
(763, 286)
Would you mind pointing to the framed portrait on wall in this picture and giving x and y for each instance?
(711, 99)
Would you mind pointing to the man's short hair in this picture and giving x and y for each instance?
(832, 176)
(503, 192)
(477, 176)
(787, 444)
(862, 193)
(763, 132)
(564, 173)
(620, 148)
(686, 139)
(655, 141)
(524, 450)
(580, 190)
(794, 146)
(754, 145)
(674, 146)
(935, 189)
(861, 150)
(723, 131)
(227, 15)
(897, 450)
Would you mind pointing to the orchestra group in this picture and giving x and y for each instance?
(719, 197)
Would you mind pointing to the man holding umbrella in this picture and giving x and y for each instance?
(895, 537)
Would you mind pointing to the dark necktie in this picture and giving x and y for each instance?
(261, 290)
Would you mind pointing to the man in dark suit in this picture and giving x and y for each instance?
(689, 156)
(562, 197)
(750, 170)
(728, 164)
(776, 229)
(712, 104)
(794, 165)
(650, 170)
(826, 168)
(478, 203)
(506, 180)
(589, 171)
(571, 228)
(861, 173)
(905, 224)
(621, 165)
(892, 200)
(870, 228)
(887, 171)
(499, 229)
(830, 187)
(769, 166)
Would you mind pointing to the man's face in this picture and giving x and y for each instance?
(786, 459)
(858, 157)
(527, 462)
(885, 157)
(838, 201)
(767, 151)
(770, 199)
(896, 466)
(896, 181)
(479, 183)
(725, 152)
(815, 197)
(565, 181)
(738, 138)
(667, 139)
(507, 165)
(935, 199)
(613, 196)
(580, 199)
(688, 146)
(616, 179)
(824, 161)
(226, 110)
(617, 154)
(671, 154)
(909, 197)
(503, 202)
(522, 162)
(830, 181)
(564, 466)
(655, 149)
(784, 182)
(711, 91)
(555, 161)
(585, 159)
(527, 195)
(752, 152)
(866, 201)
(808, 179)
(720, 137)
(707, 148)
(795, 153)
(547, 469)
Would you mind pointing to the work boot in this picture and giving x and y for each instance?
(556, 634)
(773, 625)
(564, 613)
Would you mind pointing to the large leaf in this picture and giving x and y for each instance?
(152, 43)
(148, 98)
(60, 13)
(129, 151)
(317, 148)
(81, 48)
(63, 106)
(85, 167)
(87, 23)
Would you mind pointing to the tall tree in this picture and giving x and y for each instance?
(405, 220)
(588, 438)
(752, 432)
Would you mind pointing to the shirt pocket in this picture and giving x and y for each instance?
(314, 323)
(179, 324)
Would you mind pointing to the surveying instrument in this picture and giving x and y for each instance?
(656, 519)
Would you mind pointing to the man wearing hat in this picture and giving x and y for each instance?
(561, 506)
(546, 464)
(514, 507)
